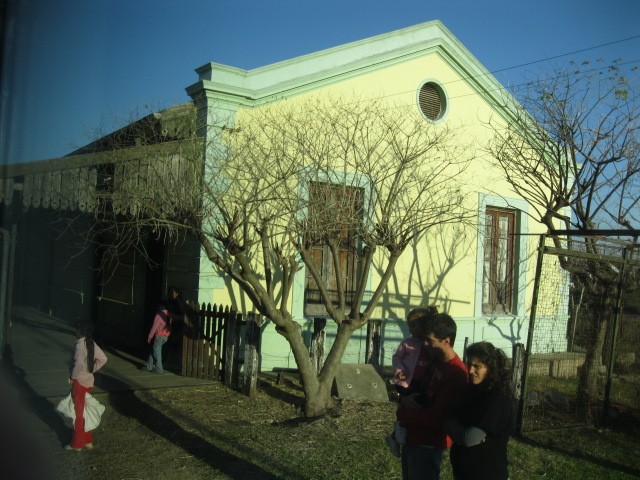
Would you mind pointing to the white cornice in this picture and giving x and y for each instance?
(308, 72)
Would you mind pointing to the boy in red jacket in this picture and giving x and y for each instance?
(442, 383)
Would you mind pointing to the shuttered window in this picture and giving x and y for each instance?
(333, 212)
(431, 101)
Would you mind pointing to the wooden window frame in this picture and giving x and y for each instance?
(313, 306)
(117, 283)
(498, 291)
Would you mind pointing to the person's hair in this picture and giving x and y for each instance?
(176, 306)
(160, 307)
(172, 288)
(496, 362)
(423, 316)
(86, 330)
(442, 326)
(422, 313)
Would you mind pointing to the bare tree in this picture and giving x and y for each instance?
(329, 185)
(572, 152)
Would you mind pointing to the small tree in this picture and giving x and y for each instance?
(572, 152)
(355, 181)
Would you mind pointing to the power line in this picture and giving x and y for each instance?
(566, 54)
(493, 72)
(532, 82)
(514, 87)
(500, 87)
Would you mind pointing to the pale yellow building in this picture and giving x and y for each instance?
(480, 271)
(486, 290)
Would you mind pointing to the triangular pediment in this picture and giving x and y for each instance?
(316, 70)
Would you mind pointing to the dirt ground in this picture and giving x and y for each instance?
(190, 433)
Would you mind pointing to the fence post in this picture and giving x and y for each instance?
(613, 337)
(517, 359)
(206, 340)
(231, 347)
(372, 354)
(317, 343)
(216, 341)
(251, 354)
(464, 350)
(532, 322)
(188, 334)
(186, 327)
(196, 357)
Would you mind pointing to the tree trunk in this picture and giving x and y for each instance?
(596, 309)
(320, 401)
(588, 384)
(317, 386)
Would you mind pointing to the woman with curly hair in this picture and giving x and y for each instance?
(481, 424)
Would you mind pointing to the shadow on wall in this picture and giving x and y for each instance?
(510, 330)
(421, 282)
(427, 273)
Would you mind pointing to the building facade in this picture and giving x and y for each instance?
(480, 272)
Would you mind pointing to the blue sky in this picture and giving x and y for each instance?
(76, 67)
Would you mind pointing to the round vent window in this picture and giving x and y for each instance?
(432, 101)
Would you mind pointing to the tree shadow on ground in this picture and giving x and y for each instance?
(132, 357)
(613, 466)
(163, 424)
(23, 454)
(34, 318)
(288, 392)
(14, 377)
(137, 356)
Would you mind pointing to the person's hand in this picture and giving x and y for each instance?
(400, 375)
(149, 340)
(70, 381)
(409, 401)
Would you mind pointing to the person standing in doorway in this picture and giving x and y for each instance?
(177, 309)
(175, 304)
(88, 358)
(159, 334)
(424, 413)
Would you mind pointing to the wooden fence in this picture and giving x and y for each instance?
(373, 347)
(214, 349)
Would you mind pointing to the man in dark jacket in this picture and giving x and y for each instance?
(424, 413)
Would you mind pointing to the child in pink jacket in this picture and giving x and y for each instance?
(405, 360)
(409, 361)
(159, 334)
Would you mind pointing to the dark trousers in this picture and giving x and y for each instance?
(421, 462)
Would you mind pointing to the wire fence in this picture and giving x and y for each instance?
(583, 348)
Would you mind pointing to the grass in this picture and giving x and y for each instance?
(213, 432)
(569, 450)
(575, 454)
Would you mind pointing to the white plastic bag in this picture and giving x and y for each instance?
(93, 411)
